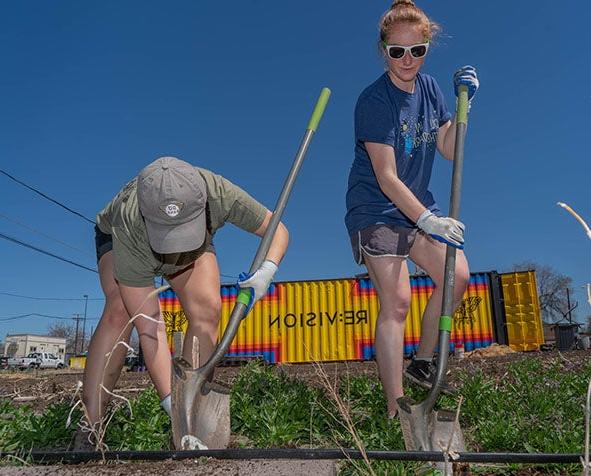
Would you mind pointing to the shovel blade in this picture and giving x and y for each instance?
(430, 431)
(446, 432)
(210, 419)
(200, 409)
(414, 424)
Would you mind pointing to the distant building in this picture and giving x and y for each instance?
(20, 345)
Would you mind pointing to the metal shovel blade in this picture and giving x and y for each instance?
(429, 430)
(211, 418)
(200, 410)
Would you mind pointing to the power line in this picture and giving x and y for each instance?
(49, 298)
(47, 197)
(44, 235)
(36, 314)
(27, 245)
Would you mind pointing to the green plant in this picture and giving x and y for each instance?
(272, 409)
(147, 427)
(22, 430)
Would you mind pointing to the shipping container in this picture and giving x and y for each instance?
(525, 330)
(77, 362)
(331, 320)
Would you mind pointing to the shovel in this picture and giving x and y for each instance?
(201, 408)
(424, 429)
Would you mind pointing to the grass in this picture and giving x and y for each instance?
(535, 407)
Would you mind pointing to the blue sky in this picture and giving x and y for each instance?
(93, 91)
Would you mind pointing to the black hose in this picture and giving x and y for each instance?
(73, 457)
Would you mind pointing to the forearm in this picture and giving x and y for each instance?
(401, 196)
(278, 245)
(280, 240)
(449, 141)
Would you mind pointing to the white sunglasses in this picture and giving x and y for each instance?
(397, 51)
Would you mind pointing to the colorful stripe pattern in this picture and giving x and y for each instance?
(333, 320)
(472, 319)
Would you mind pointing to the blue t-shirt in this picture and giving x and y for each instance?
(409, 123)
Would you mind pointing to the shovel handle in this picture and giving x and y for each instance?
(446, 319)
(319, 109)
(241, 304)
(463, 105)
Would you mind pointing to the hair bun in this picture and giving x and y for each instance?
(402, 2)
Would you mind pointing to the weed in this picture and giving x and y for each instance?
(21, 429)
(147, 429)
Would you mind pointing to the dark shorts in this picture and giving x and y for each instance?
(104, 243)
(383, 240)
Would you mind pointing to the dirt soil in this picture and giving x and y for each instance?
(202, 466)
(42, 387)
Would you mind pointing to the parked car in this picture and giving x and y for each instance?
(3, 362)
(37, 360)
(133, 364)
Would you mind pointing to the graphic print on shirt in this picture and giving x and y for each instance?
(414, 135)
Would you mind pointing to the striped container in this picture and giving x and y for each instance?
(328, 320)
(522, 310)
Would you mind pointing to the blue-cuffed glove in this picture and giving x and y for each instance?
(466, 76)
(258, 282)
(444, 229)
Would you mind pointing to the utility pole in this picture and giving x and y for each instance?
(77, 319)
(570, 316)
(84, 322)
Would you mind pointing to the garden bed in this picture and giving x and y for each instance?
(515, 403)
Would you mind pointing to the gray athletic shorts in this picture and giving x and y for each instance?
(383, 240)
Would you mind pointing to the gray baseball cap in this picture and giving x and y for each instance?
(171, 196)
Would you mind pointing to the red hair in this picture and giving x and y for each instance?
(405, 11)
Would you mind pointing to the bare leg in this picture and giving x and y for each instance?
(114, 319)
(430, 255)
(198, 289)
(112, 322)
(390, 277)
(152, 334)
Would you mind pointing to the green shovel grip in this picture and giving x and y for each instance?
(319, 109)
(462, 113)
(243, 296)
(445, 323)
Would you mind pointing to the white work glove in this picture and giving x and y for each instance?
(444, 229)
(258, 282)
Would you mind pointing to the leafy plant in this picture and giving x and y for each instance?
(22, 430)
(272, 409)
(147, 427)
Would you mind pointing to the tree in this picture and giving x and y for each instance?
(11, 349)
(61, 329)
(552, 290)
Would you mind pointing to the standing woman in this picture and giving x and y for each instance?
(400, 121)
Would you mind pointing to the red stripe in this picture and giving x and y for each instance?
(269, 297)
(254, 348)
(359, 344)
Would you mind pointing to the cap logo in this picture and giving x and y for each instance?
(173, 209)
